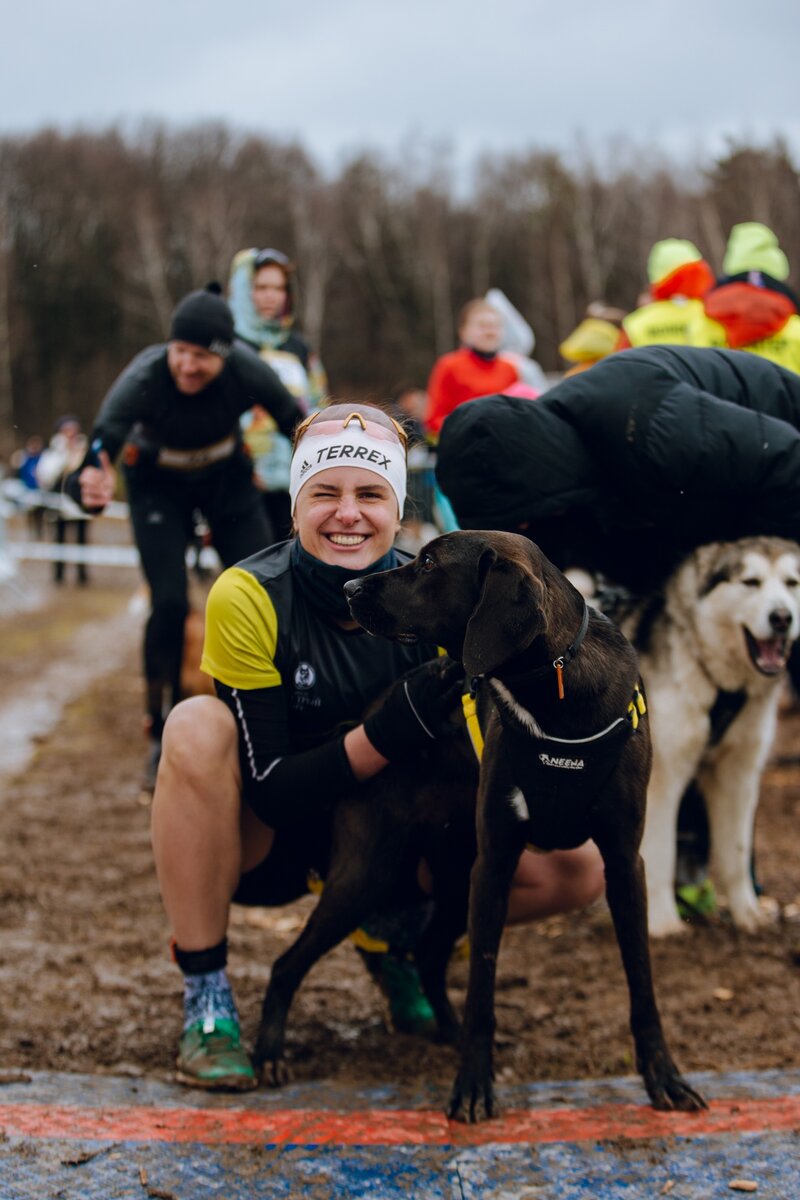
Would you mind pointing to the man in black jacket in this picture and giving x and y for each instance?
(625, 468)
(174, 413)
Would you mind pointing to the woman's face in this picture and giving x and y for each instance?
(270, 292)
(346, 516)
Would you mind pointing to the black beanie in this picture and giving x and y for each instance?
(204, 319)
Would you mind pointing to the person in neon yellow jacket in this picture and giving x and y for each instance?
(752, 308)
(679, 276)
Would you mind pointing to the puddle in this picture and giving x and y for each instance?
(36, 707)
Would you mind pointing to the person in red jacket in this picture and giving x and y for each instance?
(477, 368)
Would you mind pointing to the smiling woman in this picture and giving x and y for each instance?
(348, 486)
(248, 778)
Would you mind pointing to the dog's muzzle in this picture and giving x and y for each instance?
(371, 616)
(768, 655)
(352, 588)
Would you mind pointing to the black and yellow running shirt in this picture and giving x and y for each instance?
(295, 681)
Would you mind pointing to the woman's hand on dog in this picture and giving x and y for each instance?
(416, 708)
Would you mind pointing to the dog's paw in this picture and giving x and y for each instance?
(666, 1087)
(672, 1093)
(666, 922)
(752, 914)
(275, 1073)
(472, 1099)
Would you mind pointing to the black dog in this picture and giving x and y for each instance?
(421, 809)
(539, 660)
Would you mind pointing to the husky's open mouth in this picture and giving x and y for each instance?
(768, 655)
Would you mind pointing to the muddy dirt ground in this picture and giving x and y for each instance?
(86, 984)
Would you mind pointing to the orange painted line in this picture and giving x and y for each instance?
(390, 1127)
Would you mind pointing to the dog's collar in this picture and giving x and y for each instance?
(556, 665)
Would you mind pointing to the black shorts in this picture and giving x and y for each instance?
(283, 875)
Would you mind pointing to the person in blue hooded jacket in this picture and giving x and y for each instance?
(263, 300)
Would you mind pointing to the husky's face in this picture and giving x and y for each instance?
(750, 600)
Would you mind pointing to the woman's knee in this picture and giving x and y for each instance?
(559, 882)
(583, 875)
(200, 736)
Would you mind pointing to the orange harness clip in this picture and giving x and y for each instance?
(559, 666)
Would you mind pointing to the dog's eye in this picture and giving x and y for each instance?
(792, 583)
(427, 563)
(751, 582)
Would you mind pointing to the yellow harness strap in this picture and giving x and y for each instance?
(637, 707)
(473, 724)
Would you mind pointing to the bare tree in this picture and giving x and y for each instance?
(100, 234)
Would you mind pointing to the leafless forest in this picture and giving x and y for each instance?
(100, 234)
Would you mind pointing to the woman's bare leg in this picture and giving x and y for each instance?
(562, 881)
(203, 837)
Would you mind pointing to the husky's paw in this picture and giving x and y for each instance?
(663, 920)
(753, 913)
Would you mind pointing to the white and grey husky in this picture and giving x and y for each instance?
(713, 647)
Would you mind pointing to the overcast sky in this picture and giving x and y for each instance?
(342, 75)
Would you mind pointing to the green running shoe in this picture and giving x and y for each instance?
(399, 981)
(211, 1056)
(696, 900)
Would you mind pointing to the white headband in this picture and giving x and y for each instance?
(349, 447)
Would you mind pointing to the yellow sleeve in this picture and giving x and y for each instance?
(241, 632)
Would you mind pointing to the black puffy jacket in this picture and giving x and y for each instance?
(626, 467)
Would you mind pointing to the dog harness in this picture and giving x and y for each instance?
(560, 778)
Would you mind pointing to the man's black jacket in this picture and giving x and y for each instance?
(626, 467)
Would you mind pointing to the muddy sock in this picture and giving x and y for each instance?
(207, 994)
(208, 998)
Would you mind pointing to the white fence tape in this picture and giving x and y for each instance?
(19, 498)
(15, 498)
(100, 556)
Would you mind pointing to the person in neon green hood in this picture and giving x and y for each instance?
(752, 308)
(679, 276)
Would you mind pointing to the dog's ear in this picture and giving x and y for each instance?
(508, 616)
